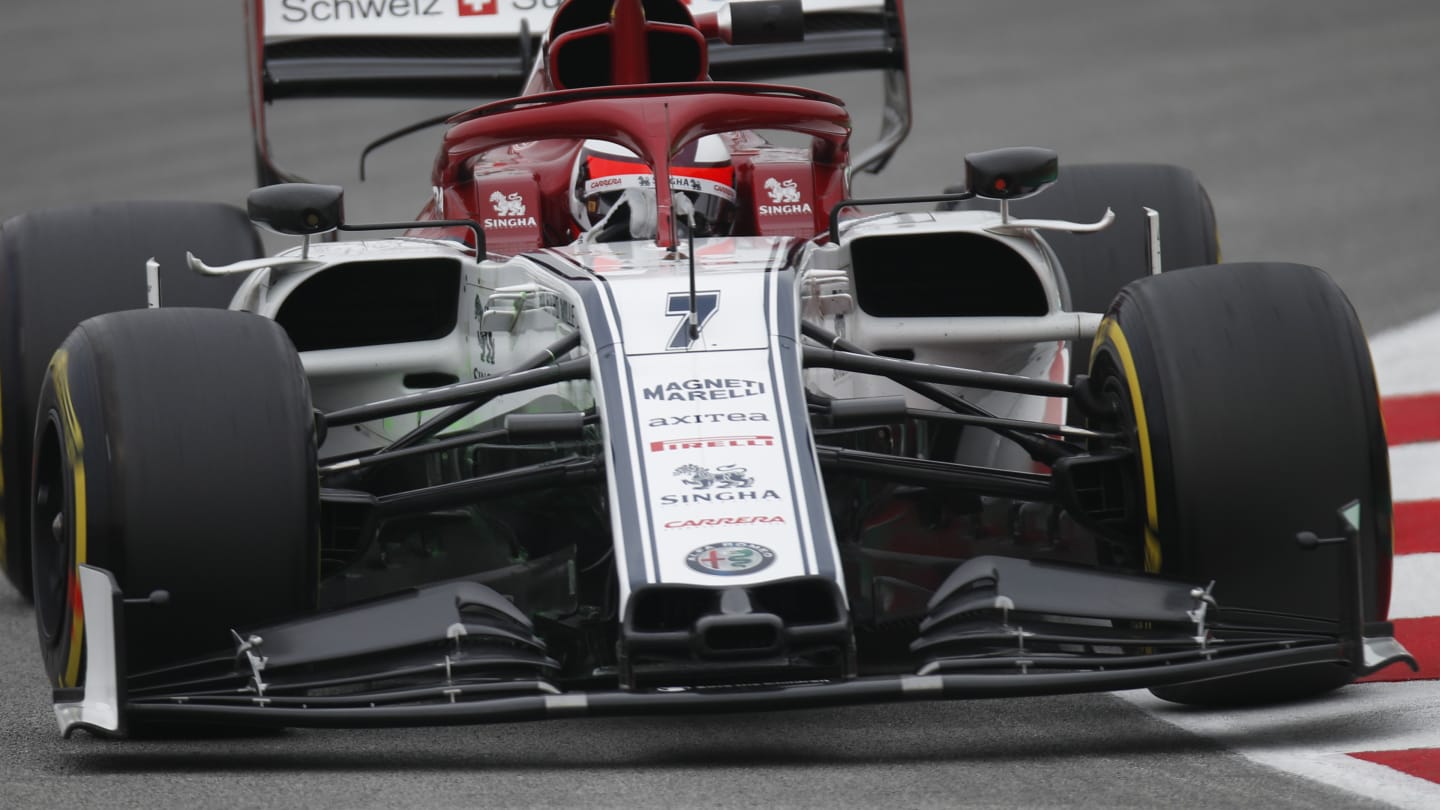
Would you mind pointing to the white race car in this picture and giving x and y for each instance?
(645, 413)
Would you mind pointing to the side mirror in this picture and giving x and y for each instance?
(298, 209)
(760, 22)
(1009, 174)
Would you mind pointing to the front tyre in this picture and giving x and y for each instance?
(1250, 401)
(61, 266)
(176, 449)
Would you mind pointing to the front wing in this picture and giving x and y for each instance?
(459, 653)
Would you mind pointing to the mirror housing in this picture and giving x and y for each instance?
(759, 22)
(1011, 173)
(297, 209)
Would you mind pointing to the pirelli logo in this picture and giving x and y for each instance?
(712, 441)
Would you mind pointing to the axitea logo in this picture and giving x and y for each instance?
(708, 419)
(299, 11)
(705, 523)
(705, 390)
(509, 211)
(715, 441)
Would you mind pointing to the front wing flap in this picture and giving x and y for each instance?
(458, 653)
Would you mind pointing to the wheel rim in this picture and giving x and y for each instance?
(50, 537)
(1118, 420)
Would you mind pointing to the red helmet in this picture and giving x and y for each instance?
(614, 191)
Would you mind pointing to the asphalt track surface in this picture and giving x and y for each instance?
(1312, 124)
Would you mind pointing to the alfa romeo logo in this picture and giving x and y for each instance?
(730, 559)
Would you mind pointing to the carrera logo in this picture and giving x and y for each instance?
(717, 441)
(703, 390)
(708, 419)
(476, 8)
(299, 11)
(779, 192)
(703, 523)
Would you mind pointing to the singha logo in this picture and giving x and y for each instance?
(727, 477)
(511, 206)
(786, 198)
(779, 192)
(509, 211)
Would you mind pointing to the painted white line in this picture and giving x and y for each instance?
(1311, 739)
(1358, 776)
(1415, 471)
(1407, 359)
(1413, 591)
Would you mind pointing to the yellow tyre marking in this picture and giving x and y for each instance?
(75, 454)
(1109, 332)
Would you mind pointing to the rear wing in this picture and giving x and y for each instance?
(475, 50)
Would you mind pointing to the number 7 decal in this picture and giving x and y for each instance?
(679, 305)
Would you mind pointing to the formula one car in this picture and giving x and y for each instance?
(646, 413)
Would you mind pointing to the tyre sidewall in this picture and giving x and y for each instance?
(196, 462)
(1262, 420)
(68, 398)
(1268, 401)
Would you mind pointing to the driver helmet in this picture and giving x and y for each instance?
(614, 191)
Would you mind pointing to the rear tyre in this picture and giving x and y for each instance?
(61, 266)
(1249, 397)
(175, 448)
(1097, 265)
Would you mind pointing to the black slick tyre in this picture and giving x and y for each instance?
(176, 449)
(1249, 397)
(61, 266)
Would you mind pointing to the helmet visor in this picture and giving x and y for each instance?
(701, 194)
